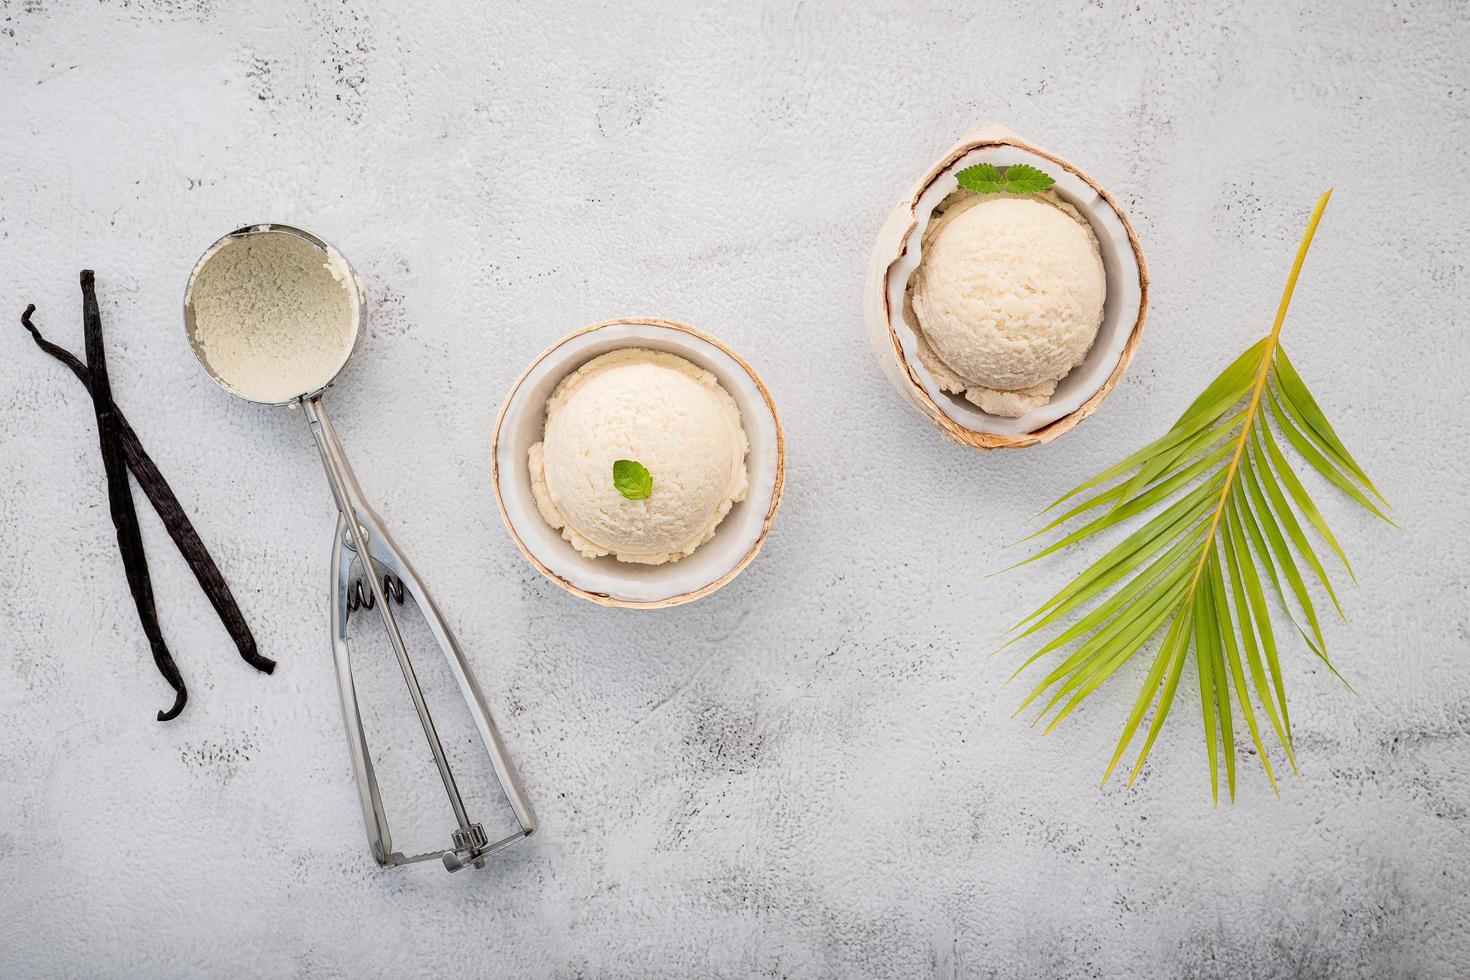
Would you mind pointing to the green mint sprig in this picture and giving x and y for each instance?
(1018, 178)
(632, 479)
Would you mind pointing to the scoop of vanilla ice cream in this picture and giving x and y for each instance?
(274, 316)
(1008, 297)
(662, 411)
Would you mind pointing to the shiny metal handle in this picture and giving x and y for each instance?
(386, 561)
(367, 571)
(348, 496)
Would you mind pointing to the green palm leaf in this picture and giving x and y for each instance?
(1227, 529)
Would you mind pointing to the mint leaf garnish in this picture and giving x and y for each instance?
(1022, 178)
(982, 178)
(632, 479)
(1018, 178)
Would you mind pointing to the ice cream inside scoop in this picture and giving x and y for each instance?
(659, 410)
(1008, 297)
(273, 316)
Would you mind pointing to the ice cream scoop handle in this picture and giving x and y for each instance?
(348, 496)
(368, 571)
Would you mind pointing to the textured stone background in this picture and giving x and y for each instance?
(814, 772)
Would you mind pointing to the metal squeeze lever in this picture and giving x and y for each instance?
(364, 554)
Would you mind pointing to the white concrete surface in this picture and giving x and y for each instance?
(815, 772)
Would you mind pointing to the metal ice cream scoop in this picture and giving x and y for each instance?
(369, 572)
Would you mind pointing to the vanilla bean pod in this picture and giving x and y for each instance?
(120, 497)
(170, 511)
